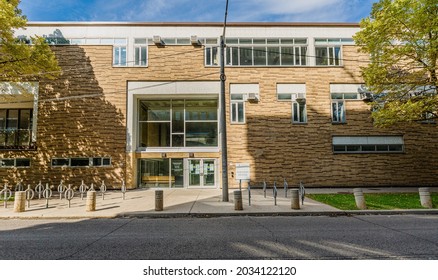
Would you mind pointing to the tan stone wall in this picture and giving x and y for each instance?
(95, 125)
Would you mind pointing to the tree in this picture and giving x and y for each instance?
(401, 37)
(22, 60)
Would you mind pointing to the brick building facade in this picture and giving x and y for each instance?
(140, 103)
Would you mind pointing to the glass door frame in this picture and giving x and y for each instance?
(202, 173)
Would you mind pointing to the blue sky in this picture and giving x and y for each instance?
(197, 10)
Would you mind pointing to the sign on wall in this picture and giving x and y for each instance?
(242, 171)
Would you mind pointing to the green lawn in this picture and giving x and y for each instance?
(375, 201)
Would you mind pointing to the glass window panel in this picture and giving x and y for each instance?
(295, 110)
(178, 120)
(350, 95)
(382, 148)
(199, 110)
(215, 59)
(273, 56)
(201, 134)
(155, 110)
(177, 140)
(300, 41)
(234, 112)
(211, 41)
(303, 55)
(177, 172)
(106, 41)
(154, 172)
(339, 148)
(232, 40)
(240, 112)
(3, 118)
(97, 161)
(353, 148)
(120, 41)
(60, 162)
(245, 56)
(123, 56)
(183, 41)
(154, 134)
(137, 56)
(321, 56)
(12, 120)
(396, 148)
(284, 96)
(7, 163)
(24, 137)
(116, 56)
(259, 56)
(273, 41)
(245, 41)
(207, 56)
(287, 41)
(80, 162)
(235, 55)
(368, 148)
(337, 95)
(337, 55)
(259, 41)
(287, 56)
(22, 162)
(106, 161)
(297, 56)
(303, 112)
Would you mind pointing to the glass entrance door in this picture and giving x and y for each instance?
(201, 173)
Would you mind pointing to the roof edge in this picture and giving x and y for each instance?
(193, 24)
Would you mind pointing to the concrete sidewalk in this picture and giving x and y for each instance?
(181, 203)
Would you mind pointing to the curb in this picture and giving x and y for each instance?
(148, 215)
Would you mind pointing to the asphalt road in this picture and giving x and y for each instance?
(322, 237)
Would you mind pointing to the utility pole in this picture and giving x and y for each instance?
(223, 119)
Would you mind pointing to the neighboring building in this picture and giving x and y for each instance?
(140, 102)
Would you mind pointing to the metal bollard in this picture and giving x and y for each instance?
(20, 201)
(123, 189)
(29, 195)
(5, 194)
(238, 204)
(90, 204)
(249, 194)
(61, 189)
(47, 193)
(285, 186)
(274, 193)
(159, 200)
(359, 198)
(69, 194)
(425, 199)
(103, 190)
(83, 189)
(19, 187)
(295, 199)
(264, 188)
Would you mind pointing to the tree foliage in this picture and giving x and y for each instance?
(22, 60)
(401, 37)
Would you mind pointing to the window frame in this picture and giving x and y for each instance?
(17, 130)
(298, 112)
(119, 62)
(140, 46)
(90, 162)
(15, 163)
(394, 144)
(343, 113)
(234, 108)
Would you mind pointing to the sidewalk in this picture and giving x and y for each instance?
(182, 203)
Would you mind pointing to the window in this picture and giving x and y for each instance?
(297, 94)
(178, 123)
(119, 56)
(330, 56)
(264, 52)
(338, 111)
(368, 144)
(211, 56)
(299, 114)
(140, 52)
(237, 108)
(16, 128)
(81, 162)
(17, 162)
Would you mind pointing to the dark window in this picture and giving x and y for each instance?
(79, 162)
(60, 162)
(22, 162)
(16, 128)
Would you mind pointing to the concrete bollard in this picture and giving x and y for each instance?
(159, 200)
(425, 199)
(90, 204)
(20, 201)
(295, 199)
(359, 198)
(238, 204)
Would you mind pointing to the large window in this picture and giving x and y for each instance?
(338, 111)
(330, 56)
(261, 52)
(178, 123)
(16, 128)
(119, 55)
(368, 144)
(297, 94)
